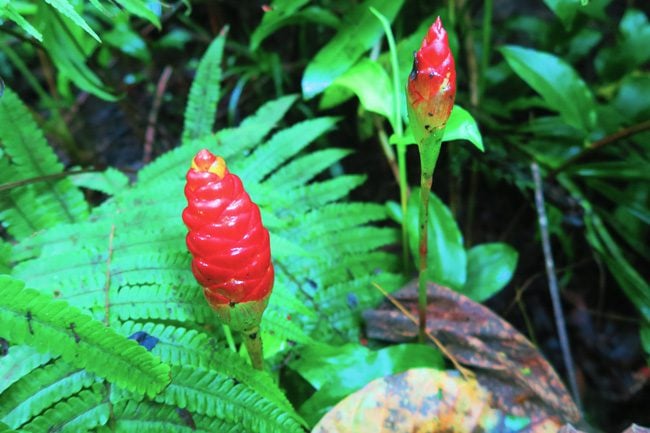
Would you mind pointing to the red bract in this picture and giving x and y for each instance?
(432, 84)
(230, 246)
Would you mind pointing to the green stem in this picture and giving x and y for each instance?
(485, 49)
(398, 128)
(231, 341)
(253, 341)
(429, 152)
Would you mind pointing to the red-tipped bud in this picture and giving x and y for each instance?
(432, 84)
(230, 246)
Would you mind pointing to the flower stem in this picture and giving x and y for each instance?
(253, 341)
(429, 152)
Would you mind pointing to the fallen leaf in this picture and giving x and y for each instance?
(522, 382)
(423, 400)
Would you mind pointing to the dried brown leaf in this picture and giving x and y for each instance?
(505, 362)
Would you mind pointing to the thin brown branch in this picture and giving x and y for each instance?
(553, 285)
(385, 147)
(623, 133)
(45, 178)
(150, 133)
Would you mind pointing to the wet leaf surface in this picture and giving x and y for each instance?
(424, 400)
(505, 362)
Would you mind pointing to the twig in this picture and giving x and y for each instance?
(44, 178)
(385, 147)
(467, 374)
(634, 129)
(107, 283)
(552, 284)
(150, 133)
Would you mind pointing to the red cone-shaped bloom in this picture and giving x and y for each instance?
(432, 84)
(230, 246)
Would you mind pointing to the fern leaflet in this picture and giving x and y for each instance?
(19, 361)
(202, 102)
(29, 317)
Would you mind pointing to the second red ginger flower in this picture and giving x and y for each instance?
(230, 246)
(431, 86)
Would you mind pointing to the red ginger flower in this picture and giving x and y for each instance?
(432, 84)
(230, 246)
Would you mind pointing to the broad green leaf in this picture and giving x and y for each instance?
(557, 82)
(489, 268)
(631, 51)
(359, 31)
(139, 8)
(66, 8)
(286, 12)
(462, 126)
(447, 260)
(565, 10)
(632, 97)
(123, 38)
(369, 82)
(339, 371)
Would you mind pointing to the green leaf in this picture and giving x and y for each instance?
(339, 371)
(10, 12)
(66, 8)
(18, 362)
(201, 107)
(82, 412)
(139, 8)
(359, 32)
(4, 428)
(29, 317)
(68, 56)
(565, 10)
(369, 82)
(109, 181)
(557, 82)
(462, 126)
(447, 260)
(287, 12)
(489, 268)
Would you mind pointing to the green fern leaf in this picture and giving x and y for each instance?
(202, 102)
(209, 393)
(82, 412)
(4, 428)
(41, 389)
(18, 362)
(25, 145)
(186, 347)
(5, 257)
(65, 8)
(149, 417)
(304, 169)
(14, 15)
(28, 317)
(282, 146)
(226, 142)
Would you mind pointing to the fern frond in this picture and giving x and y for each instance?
(23, 142)
(343, 303)
(28, 317)
(186, 347)
(303, 169)
(201, 108)
(282, 146)
(82, 412)
(5, 257)
(41, 389)
(209, 393)
(149, 417)
(18, 362)
(307, 197)
(227, 142)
